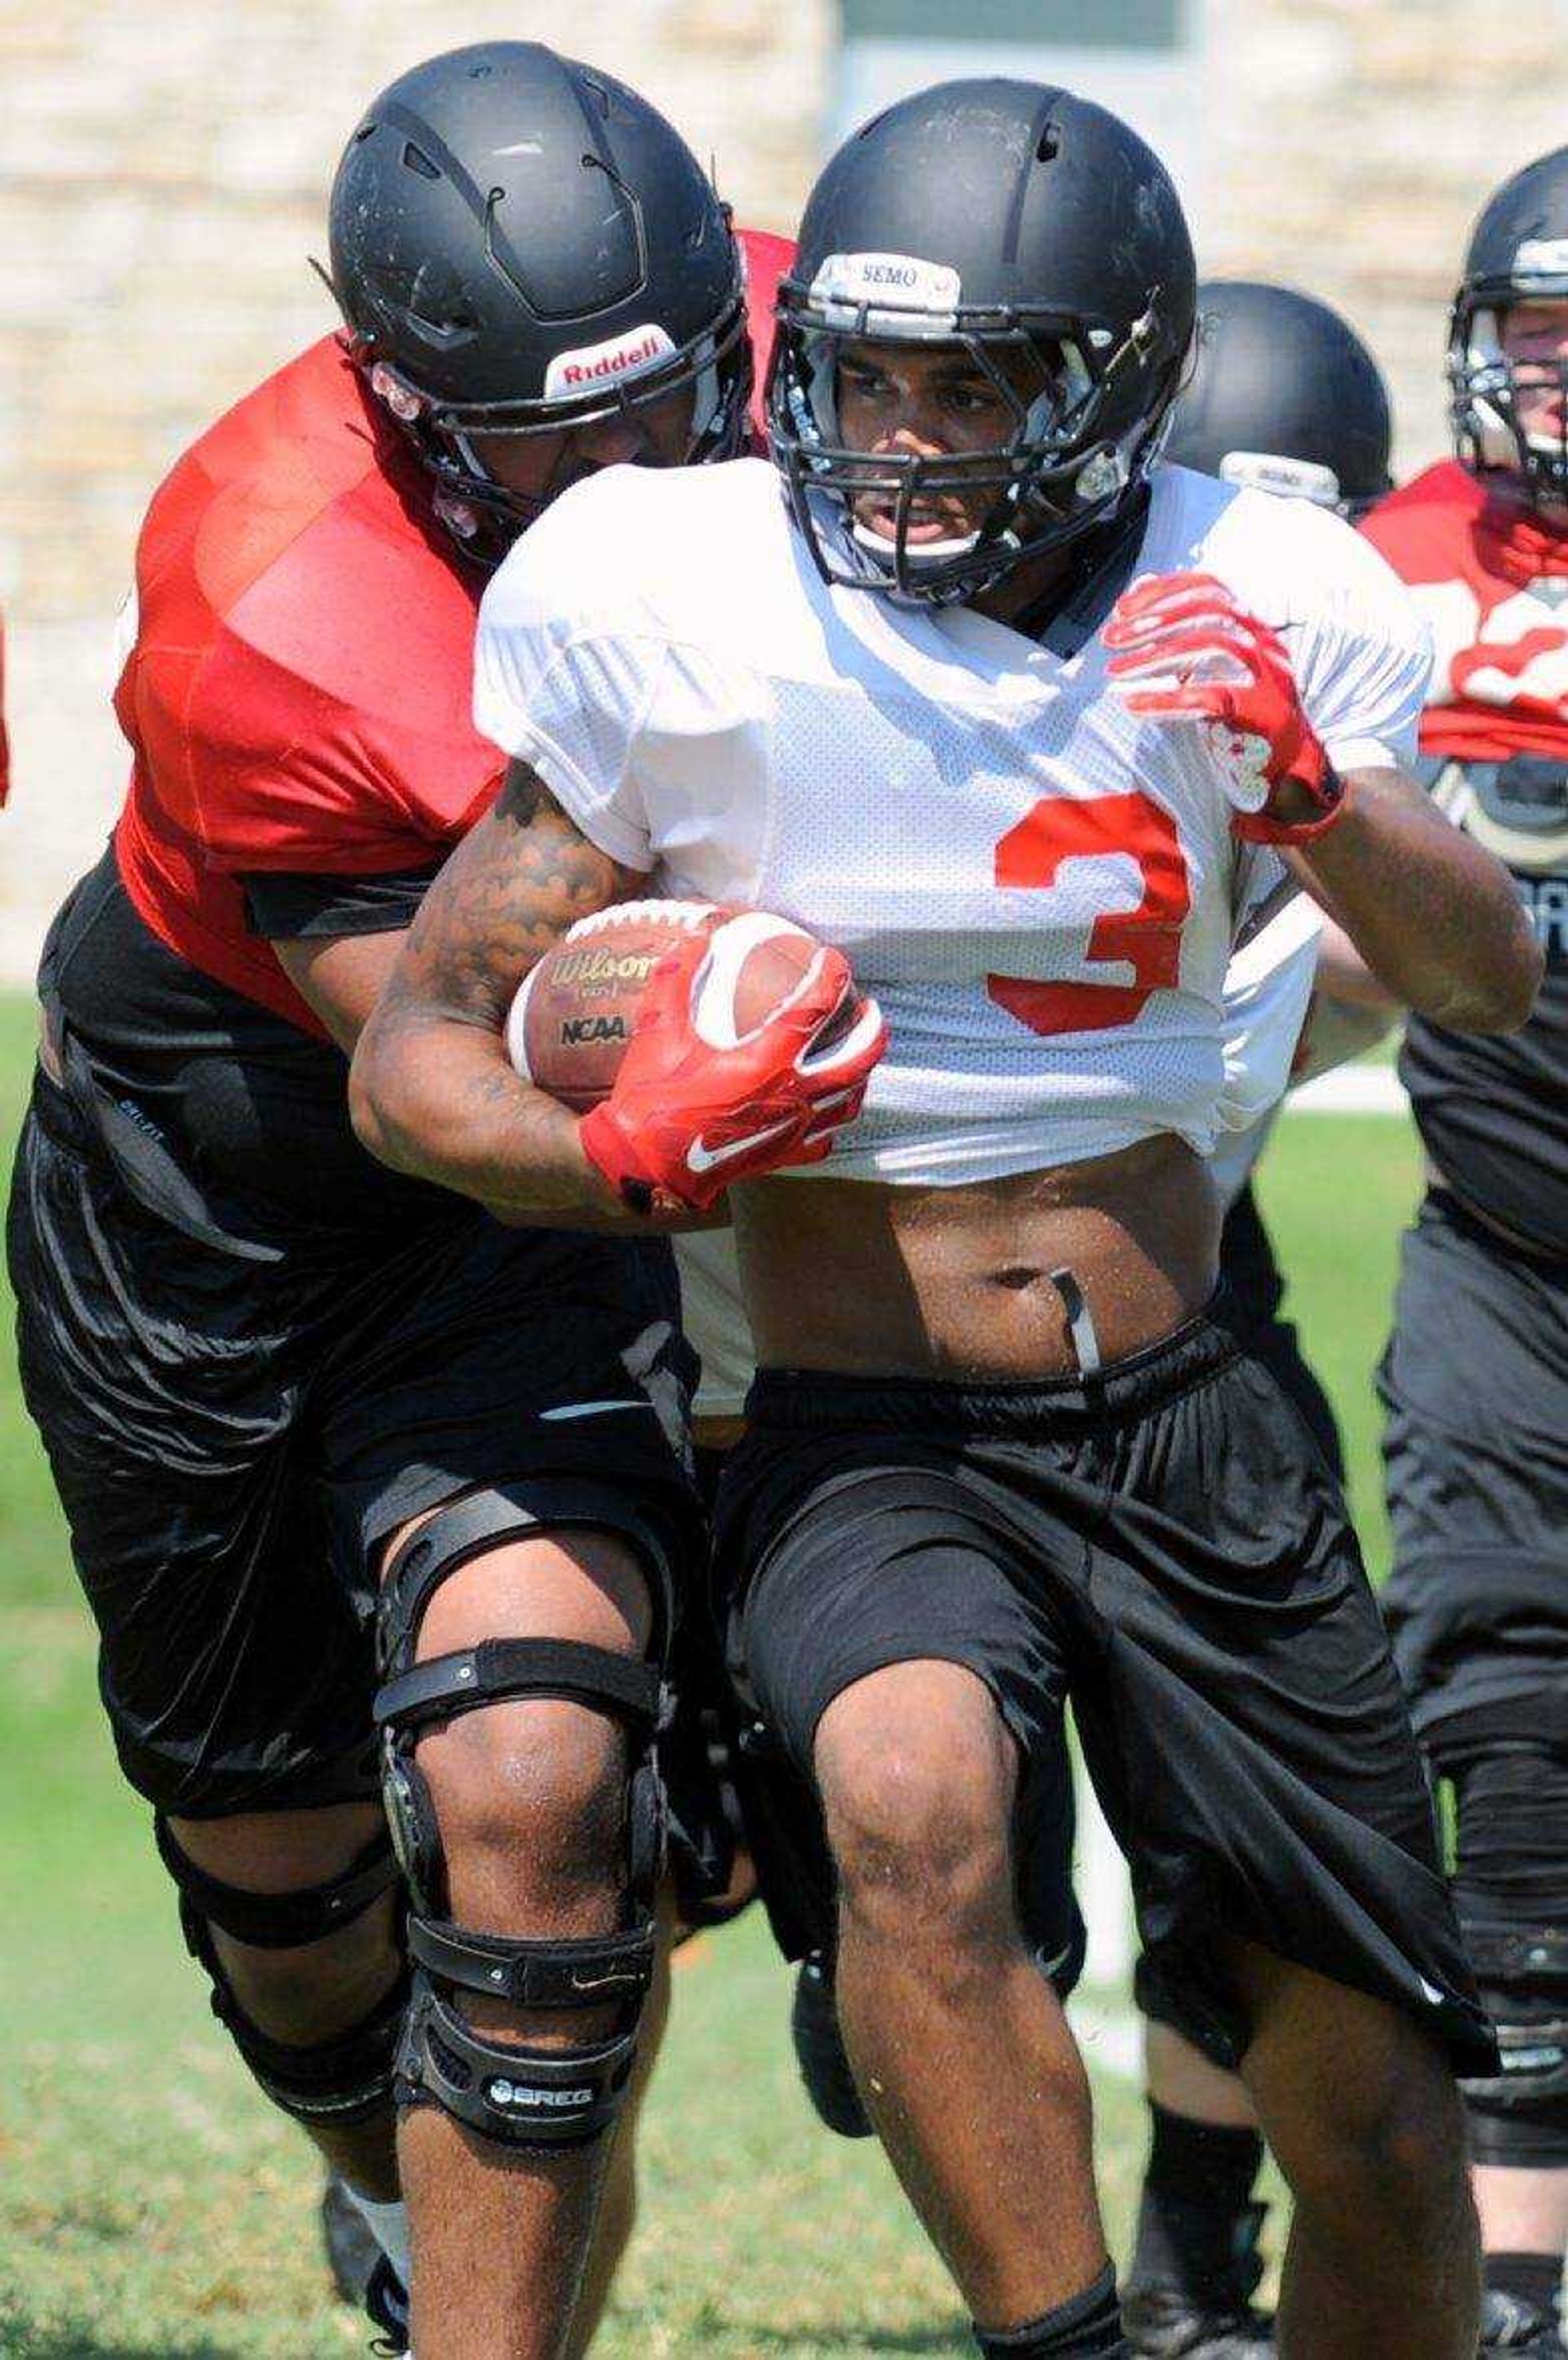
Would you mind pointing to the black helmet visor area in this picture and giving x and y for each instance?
(713, 369)
(1491, 393)
(1059, 474)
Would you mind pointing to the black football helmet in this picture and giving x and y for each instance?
(1284, 396)
(1025, 225)
(1518, 249)
(521, 244)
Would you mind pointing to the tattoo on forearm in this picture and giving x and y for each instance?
(509, 892)
(436, 1094)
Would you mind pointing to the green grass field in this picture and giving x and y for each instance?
(152, 2207)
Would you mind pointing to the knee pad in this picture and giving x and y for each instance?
(517, 2095)
(1520, 2115)
(334, 2083)
(1511, 1892)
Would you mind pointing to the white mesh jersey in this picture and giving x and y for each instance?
(1041, 889)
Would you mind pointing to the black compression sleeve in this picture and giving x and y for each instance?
(287, 905)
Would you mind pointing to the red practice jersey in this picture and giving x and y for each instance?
(298, 696)
(767, 259)
(1492, 1109)
(1492, 584)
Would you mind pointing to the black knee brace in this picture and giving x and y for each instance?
(334, 2083)
(520, 2096)
(1511, 1891)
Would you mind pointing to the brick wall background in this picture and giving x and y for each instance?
(162, 177)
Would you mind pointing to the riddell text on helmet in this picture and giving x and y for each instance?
(627, 355)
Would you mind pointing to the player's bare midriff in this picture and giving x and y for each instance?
(867, 1280)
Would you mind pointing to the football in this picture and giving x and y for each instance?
(568, 1028)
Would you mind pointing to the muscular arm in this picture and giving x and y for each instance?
(341, 976)
(1344, 976)
(432, 1091)
(1435, 917)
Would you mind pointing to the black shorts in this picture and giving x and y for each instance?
(774, 1812)
(1256, 1289)
(232, 1441)
(1475, 1381)
(1168, 1548)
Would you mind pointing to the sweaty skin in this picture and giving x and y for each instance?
(959, 1279)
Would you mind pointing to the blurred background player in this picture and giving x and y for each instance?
(1474, 1379)
(259, 1363)
(1284, 396)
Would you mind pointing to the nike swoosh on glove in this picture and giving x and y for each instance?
(1185, 649)
(686, 1119)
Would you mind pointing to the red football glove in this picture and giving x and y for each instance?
(1187, 649)
(685, 1119)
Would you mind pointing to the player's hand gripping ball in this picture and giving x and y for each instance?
(707, 1045)
(1185, 649)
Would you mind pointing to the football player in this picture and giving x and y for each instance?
(1004, 1447)
(1474, 1379)
(269, 1376)
(1283, 395)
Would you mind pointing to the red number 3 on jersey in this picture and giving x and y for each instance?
(1147, 939)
